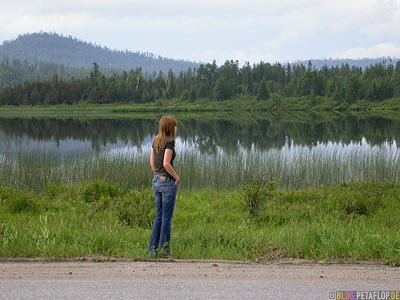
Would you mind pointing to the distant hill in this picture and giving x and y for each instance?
(363, 63)
(16, 72)
(71, 52)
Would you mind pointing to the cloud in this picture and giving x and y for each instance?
(231, 8)
(384, 21)
(61, 23)
(248, 30)
(379, 50)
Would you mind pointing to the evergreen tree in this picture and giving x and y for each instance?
(262, 93)
(372, 92)
(171, 85)
(35, 96)
(395, 81)
(351, 89)
(222, 90)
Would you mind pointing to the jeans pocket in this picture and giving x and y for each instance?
(171, 182)
(173, 187)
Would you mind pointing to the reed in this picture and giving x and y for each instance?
(295, 166)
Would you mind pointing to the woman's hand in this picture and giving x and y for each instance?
(168, 167)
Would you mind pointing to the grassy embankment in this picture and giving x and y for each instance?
(239, 103)
(355, 221)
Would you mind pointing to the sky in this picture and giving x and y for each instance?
(201, 31)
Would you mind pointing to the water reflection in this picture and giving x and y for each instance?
(204, 135)
(306, 150)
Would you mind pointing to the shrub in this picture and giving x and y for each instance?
(362, 198)
(17, 201)
(255, 194)
(357, 198)
(99, 189)
(137, 208)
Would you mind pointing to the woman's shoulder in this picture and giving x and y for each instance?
(169, 143)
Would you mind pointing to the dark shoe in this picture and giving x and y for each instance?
(154, 254)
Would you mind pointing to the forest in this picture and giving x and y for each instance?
(15, 71)
(262, 81)
(72, 52)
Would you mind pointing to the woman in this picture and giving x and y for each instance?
(165, 185)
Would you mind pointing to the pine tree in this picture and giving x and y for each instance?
(372, 92)
(35, 96)
(351, 89)
(262, 93)
(221, 90)
(395, 82)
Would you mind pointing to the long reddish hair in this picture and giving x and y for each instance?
(166, 128)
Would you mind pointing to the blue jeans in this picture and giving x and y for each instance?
(165, 196)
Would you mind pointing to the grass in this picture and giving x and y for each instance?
(296, 166)
(352, 221)
(237, 103)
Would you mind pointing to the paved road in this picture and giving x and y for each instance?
(189, 280)
(175, 289)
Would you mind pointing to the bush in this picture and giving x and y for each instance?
(17, 201)
(137, 208)
(255, 194)
(360, 198)
(99, 189)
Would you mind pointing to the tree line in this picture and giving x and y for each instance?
(15, 71)
(360, 62)
(261, 81)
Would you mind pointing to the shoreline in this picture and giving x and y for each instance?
(235, 105)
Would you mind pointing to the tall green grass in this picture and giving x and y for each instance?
(295, 166)
(354, 221)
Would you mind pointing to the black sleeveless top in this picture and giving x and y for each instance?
(159, 157)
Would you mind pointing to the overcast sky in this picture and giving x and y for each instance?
(250, 30)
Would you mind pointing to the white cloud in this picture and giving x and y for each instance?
(384, 21)
(379, 50)
(61, 22)
(234, 8)
(247, 30)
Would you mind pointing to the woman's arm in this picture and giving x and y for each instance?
(152, 160)
(167, 165)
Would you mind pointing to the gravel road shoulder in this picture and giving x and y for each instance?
(124, 269)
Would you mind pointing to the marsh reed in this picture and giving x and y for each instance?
(296, 166)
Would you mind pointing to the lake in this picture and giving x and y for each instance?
(214, 150)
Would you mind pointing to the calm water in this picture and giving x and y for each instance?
(214, 150)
